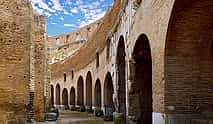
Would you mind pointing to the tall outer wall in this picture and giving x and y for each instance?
(16, 28)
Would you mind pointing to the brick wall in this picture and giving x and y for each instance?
(15, 40)
(189, 64)
(40, 70)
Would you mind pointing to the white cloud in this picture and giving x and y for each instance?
(79, 2)
(90, 18)
(68, 2)
(42, 5)
(47, 14)
(67, 13)
(96, 4)
(53, 23)
(56, 5)
(74, 10)
(70, 25)
(61, 18)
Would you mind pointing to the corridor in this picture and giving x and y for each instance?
(73, 117)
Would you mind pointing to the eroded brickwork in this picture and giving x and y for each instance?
(40, 70)
(176, 82)
(16, 28)
(24, 72)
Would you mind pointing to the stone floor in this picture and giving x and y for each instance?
(70, 117)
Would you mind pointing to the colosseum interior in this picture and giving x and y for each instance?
(144, 62)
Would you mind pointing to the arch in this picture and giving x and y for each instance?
(188, 65)
(108, 95)
(89, 90)
(98, 94)
(140, 95)
(52, 95)
(72, 96)
(80, 91)
(120, 61)
(58, 102)
(65, 98)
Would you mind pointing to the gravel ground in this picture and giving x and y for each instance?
(70, 117)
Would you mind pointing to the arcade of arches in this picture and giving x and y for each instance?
(154, 67)
(144, 62)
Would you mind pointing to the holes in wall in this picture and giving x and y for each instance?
(97, 60)
(72, 74)
(108, 50)
(67, 38)
(65, 77)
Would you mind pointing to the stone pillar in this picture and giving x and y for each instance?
(40, 71)
(133, 112)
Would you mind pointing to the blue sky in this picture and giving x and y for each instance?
(67, 15)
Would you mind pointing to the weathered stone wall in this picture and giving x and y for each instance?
(39, 65)
(188, 52)
(16, 31)
(180, 41)
(62, 46)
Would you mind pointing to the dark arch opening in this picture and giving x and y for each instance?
(98, 94)
(52, 96)
(120, 61)
(65, 77)
(58, 94)
(141, 88)
(72, 96)
(97, 60)
(108, 95)
(65, 98)
(188, 66)
(80, 91)
(89, 91)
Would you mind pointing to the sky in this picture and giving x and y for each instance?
(67, 15)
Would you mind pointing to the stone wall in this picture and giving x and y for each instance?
(39, 65)
(178, 34)
(16, 31)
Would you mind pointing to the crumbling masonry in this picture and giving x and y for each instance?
(150, 61)
(24, 70)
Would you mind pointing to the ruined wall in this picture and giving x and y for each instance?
(64, 45)
(179, 36)
(16, 28)
(39, 65)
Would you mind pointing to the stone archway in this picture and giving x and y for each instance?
(108, 95)
(188, 60)
(65, 98)
(72, 96)
(140, 95)
(52, 96)
(89, 92)
(80, 91)
(58, 102)
(120, 61)
(98, 94)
